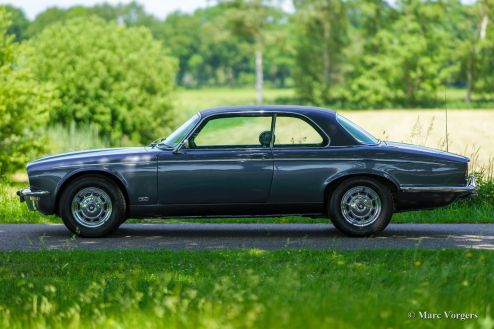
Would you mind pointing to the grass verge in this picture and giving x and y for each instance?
(245, 289)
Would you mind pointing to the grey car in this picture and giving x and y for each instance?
(249, 161)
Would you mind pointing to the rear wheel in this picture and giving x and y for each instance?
(361, 206)
(92, 206)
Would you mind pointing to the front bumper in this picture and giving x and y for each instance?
(469, 189)
(31, 197)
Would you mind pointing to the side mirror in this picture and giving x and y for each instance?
(184, 144)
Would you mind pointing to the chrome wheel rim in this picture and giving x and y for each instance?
(361, 206)
(91, 207)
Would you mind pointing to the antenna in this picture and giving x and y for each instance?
(446, 111)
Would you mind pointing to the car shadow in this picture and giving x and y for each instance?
(229, 230)
(263, 236)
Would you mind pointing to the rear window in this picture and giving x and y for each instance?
(358, 133)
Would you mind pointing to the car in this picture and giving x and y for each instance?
(249, 161)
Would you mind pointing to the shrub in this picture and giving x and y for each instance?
(116, 78)
(24, 104)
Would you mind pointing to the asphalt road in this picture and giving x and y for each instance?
(239, 236)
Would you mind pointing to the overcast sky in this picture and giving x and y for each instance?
(159, 8)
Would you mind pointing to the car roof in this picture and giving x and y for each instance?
(306, 110)
(324, 118)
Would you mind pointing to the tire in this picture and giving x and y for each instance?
(361, 206)
(92, 206)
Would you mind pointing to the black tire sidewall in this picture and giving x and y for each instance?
(107, 185)
(335, 213)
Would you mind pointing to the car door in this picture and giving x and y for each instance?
(223, 163)
(300, 161)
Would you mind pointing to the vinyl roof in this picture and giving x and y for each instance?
(307, 110)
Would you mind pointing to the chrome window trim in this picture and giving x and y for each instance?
(273, 113)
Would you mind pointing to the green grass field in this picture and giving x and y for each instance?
(245, 289)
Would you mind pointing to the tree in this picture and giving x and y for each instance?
(406, 62)
(253, 19)
(114, 77)
(182, 33)
(322, 36)
(19, 22)
(131, 14)
(475, 46)
(209, 53)
(24, 104)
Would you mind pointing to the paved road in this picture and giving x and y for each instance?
(238, 236)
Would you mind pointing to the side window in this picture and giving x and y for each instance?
(293, 131)
(236, 131)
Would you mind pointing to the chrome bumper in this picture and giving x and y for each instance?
(31, 197)
(469, 189)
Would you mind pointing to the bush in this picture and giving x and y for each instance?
(116, 78)
(24, 104)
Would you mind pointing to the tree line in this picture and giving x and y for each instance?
(115, 67)
(370, 53)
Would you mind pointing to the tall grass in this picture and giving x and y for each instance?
(73, 138)
(12, 211)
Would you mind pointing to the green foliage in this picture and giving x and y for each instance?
(244, 288)
(322, 34)
(24, 104)
(116, 78)
(131, 14)
(482, 48)
(353, 54)
(210, 53)
(18, 22)
(406, 61)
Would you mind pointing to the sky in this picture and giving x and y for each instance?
(159, 8)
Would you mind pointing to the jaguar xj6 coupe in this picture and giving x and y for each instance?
(249, 161)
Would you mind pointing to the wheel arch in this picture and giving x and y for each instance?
(382, 178)
(102, 173)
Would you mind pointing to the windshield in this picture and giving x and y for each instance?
(358, 133)
(178, 135)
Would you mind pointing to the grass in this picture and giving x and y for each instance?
(470, 132)
(72, 138)
(244, 289)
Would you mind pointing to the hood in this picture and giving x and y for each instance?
(100, 156)
(410, 148)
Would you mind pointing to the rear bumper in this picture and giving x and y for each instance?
(469, 189)
(31, 197)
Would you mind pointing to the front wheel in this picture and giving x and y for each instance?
(92, 206)
(360, 206)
